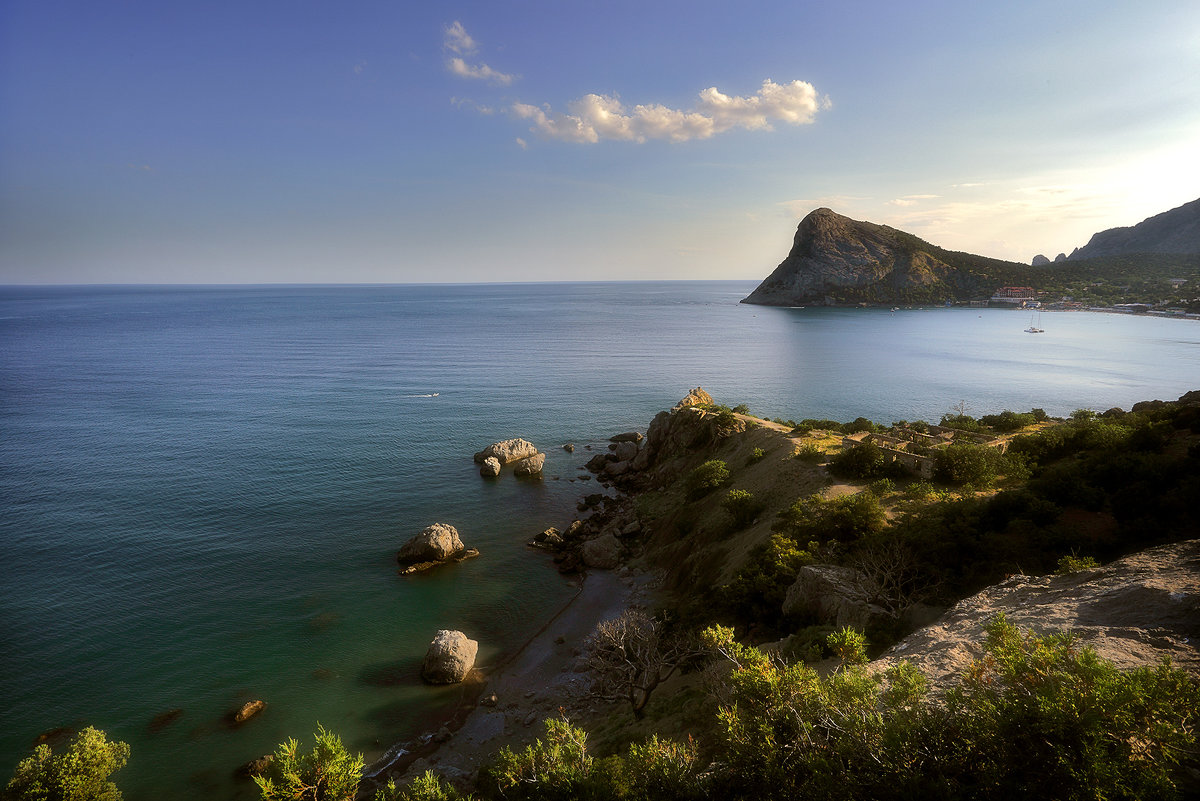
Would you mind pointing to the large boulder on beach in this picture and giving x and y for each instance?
(530, 466)
(510, 450)
(603, 552)
(450, 658)
(437, 543)
(490, 467)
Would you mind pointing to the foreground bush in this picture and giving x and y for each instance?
(707, 477)
(79, 773)
(326, 773)
(1036, 717)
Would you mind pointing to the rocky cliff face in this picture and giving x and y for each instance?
(1174, 231)
(836, 260)
(1133, 611)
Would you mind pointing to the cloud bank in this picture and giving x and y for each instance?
(593, 117)
(455, 39)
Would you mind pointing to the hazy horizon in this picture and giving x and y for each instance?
(482, 143)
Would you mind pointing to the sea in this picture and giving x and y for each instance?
(202, 488)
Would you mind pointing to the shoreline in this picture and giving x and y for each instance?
(538, 680)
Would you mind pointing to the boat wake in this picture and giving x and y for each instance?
(430, 395)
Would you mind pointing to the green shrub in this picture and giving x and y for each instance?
(79, 773)
(664, 769)
(965, 463)
(809, 452)
(554, 768)
(706, 478)
(1039, 715)
(756, 455)
(882, 486)
(848, 645)
(755, 596)
(1071, 563)
(741, 506)
(859, 424)
(1007, 421)
(326, 773)
(844, 519)
(427, 787)
(741, 408)
(961, 422)
(866, 460)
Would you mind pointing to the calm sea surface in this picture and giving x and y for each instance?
(202, 489)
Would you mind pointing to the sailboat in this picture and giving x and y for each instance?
(1034, 329)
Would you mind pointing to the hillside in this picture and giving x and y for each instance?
(837, 261)
(1176, 231)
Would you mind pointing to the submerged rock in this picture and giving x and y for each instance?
(450, 658)
(248, 710)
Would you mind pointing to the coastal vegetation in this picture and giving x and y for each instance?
(783, 702)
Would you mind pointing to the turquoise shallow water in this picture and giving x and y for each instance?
(203, 487)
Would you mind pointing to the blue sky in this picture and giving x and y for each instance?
(154, 142)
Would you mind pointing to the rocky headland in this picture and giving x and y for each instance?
(656, 540)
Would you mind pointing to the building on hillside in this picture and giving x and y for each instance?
(1013, 296)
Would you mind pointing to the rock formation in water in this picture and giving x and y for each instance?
(450, 658)
(1174, 231)
(510, 450)
(434, 546)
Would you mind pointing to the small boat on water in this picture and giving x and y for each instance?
(1033, 327)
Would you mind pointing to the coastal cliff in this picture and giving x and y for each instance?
(1176, 231)
(835, 260)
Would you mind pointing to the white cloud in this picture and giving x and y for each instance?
(594, 117)
(521, 143)
(457, 40)
(480, 72)
(911, 200)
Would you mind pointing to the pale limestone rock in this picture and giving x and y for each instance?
(490, 468)
(435, 544)
(450, 658)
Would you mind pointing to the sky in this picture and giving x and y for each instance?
(366, 141)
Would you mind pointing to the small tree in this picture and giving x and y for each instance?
(326, 773)
(741, 506)
(80, 773)
(632, 655)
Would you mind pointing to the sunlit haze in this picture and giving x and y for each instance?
(158, 142)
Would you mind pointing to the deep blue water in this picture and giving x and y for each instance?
(203, 487)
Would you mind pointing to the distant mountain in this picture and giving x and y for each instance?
(1174, 231)
(839, 261)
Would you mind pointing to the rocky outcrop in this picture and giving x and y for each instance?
(1133, 611)
(835, 260)
(434, 546)
(1174, 231)
(628, 436)
(510, 450)
(530, 466)
(837, 596)
(1060, 258)
(697, 397)
(450, 658)
(490, 467)
(1039, 261)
